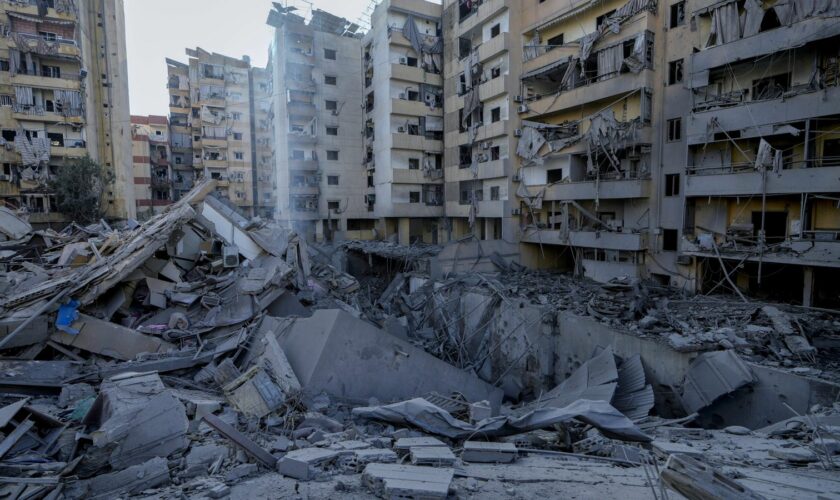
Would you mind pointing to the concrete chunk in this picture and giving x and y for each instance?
(303, 464)
(404, 444)
(110, 339)
(481, 452)
(407, 481)
(134, 479)
(437, 456)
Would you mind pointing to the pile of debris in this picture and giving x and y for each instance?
(202, 354)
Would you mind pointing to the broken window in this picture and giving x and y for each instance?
(414, 197)
(674, 129)
(602, 18)
(237, 136)
(51, 71)
(4, 65)
(771, 87)
(495, 30)
(56, 139)
(495, 153)
(677, 14)
(672, 184)
(495, 72)
(555, 41)
(238, 155)
(675, 71)
(332, 130)
(464, 156)
(332, 180)
(495, 115)
(494, 193)
(414, 164)
(330, 80)
(331, 105)
(333, 206)
(332, 155)
(330, 54)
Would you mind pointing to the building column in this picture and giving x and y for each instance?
(404, 230)
(808, 286)
(319, 230)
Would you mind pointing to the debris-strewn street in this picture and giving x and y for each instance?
(203, 355)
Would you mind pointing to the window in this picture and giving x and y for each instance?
(331, 105)
(411, 61)
(670, 238)
(332, 155)
(414, 197)
(414, 164)
(555, 41)
(495, 72)
(330, 54)
(495, 114)
(48, 35)
(672, 184)
(56, 139)
(4, 65)
(297, 154)
(239, 155)
(332, 130)
(495, 30)
(494, 193)
(9, 135)
(5, 100)
(51, 71)
(158, 132)
(196, 137)
(333, 206)
(236, 116)
(674, 129)
(332, 180)
(330, 80)
(495, 153)
(771, 87)
(678, 14)
(237, 136)
(603, 17)
(178, 160)
(370, 181)
(675, 71)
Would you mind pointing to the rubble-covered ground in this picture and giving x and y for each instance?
(203, 355)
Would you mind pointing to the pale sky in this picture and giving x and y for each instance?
(157, 29)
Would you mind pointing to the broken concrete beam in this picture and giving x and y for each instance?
(241, 471)
(697, 481)
(437, 456)
(35, 332)
(304, 464)
(110, 339)
(483, 452)
(664, 449)
(320, 421)
(797, 455)
(347, 357)
(241, 440)
(255, 393)
(136, 417)
(407, 481)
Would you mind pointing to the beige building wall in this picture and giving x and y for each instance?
(79, 100)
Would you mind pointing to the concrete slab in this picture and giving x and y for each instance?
(404, 444)
(407, 481)
(437, 456)
(302, 464)
(483, 452)
(110, 339)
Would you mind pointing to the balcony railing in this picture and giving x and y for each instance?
(534, 51)
(63, 75)
(746, 167)
(40, 38)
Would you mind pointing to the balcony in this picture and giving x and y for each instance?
(493, 47)
(486, 10)
(756, 118)
(67, 81)
(415, 210)
(29, 7)
(743, 179)
(300, 57)
(301, 108)
(605, 190)
(213, 141)
(416, 142)
(413, 108)
(767, 42)
(68, 152)
(488, 131)
(605, 240)
(298, 138)
(491, 208)
(540, 56)
(494, 87)
(305, 190)
(620, 84)
(309, 165)
(415, 75)
(409, 176)
(486, 170)
(59, 47)
(39, 113)
(815, 249)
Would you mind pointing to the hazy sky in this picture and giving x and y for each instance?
(157, 29)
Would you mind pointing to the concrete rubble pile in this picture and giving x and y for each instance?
(204, 355)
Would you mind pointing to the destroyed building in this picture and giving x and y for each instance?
(64, 95)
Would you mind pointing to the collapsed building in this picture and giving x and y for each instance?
(201, 353)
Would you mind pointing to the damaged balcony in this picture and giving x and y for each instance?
(415, 142)
(409, 73)
(479, 12)
(605, 240)
(743, 179)
(298, 164)
(490, 169)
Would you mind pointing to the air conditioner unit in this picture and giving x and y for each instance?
(485, 145)
(401, 130)
(403, 60)
(517, 99)
(517, 178)
(402, 96)
(516, 211)
(230, 256)
(523, 108)
(517, 132)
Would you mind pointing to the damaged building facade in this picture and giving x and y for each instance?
(403, 131)
(151, 157)
(315, 119)
(64, 95)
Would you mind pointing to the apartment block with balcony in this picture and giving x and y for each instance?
(586, 141)
(403, 103)
(262, 145)
(63, 95)
(152, 164)
(481, 66)
(180, 129)
(762, 181)
(315, 65)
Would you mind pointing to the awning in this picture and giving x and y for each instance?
(34, 19)
(546, 69)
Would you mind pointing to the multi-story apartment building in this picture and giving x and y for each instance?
(759, 122)
(153, 174)
(316, 119)
(403, 134)
(262, 144)
(482, 65)
(211, 98)
(180, 129)
(63, 95)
